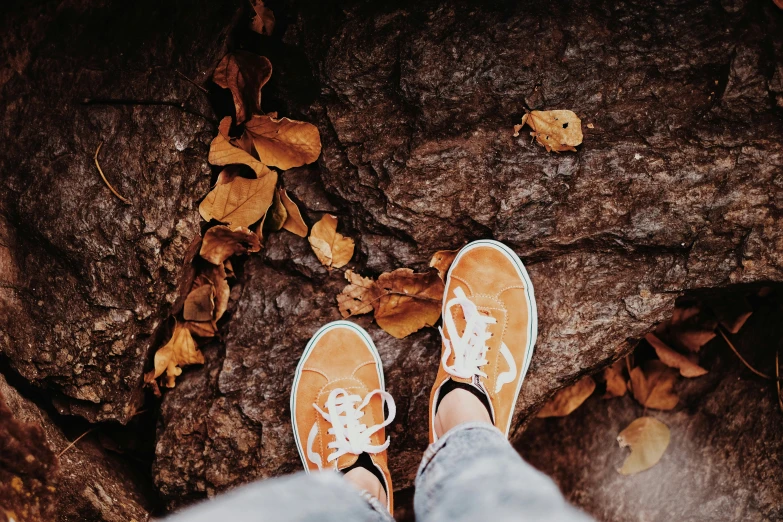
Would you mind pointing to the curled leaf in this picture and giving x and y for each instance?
(674, 359)
(200, 304)
(222, 152)
(276, 215)
(180, 351)
(652, 386)
(284, 143)
(201, 328)
(648, 439)
(568, 399)
(356, 296)
(332, 248)
(264, 20)
(244, 74)
(216, 276)
(405, 301)
(239, 202)
(187, 275)
(555, 130)
(441, 261)
(294, 222)
(221, 242)
(615, 381)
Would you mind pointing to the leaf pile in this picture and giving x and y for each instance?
(244, 202)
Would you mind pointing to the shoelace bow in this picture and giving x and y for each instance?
(470, 348)
(343, 412)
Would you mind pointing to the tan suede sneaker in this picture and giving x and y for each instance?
(337, 402)
(490, 324)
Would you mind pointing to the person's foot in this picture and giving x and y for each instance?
(490, 325)
(337, 408)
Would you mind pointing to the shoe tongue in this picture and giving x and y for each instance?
(346, 461)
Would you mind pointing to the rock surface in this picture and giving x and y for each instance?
(676, 187)
(57, 482)
(725, 453)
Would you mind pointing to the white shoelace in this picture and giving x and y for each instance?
(470, 349)
(343, 412)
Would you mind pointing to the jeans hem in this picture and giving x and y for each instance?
(376, 506)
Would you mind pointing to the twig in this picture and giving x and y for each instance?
(746, 363)
(104, 177)
(192, 82)
(72, 444)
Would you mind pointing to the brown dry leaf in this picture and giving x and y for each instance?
(568, 399)
(187, 275)
(202, 329)
(615, 380)
(221, 242)
(652, 386)
(441, 261)
(216, 275)
(648, 439)
(284, 143)
(229, 268)
(332, 248)
(405, 302)
(690, 328)
(244, 74)
(673, 359)
(222, 152)
(200, 304)
(692, 340)
(356, 296)
(732, 313)
(294, 222)
(264, 20)
(241, 201)
(556, 130)
(778, 3)
(276, 215)
(180, 351)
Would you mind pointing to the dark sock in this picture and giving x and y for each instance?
(364, 461)
(451, 385)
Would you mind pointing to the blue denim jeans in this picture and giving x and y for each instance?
(471, 474)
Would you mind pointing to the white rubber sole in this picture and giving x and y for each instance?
(308, 350)
(531, 309)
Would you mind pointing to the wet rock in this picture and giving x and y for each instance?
(52, 481)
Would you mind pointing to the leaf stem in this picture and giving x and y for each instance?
(72, 444)
(97, 151)
(746, 363)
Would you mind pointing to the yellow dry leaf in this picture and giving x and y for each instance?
(615, 381)
(648, 439)
(555, 130)
(568, 399)
(284, 143)
(239, 202)
(294, 222)
(216, 275)
(202, 328)
(180, 351)
(243, 73)
(441, 261)
(405, 302)
(222, 152)
(332, 248)
(200, 303)
(276, 215)
(222, 242)
(652, 386)
(356, 296)
(673, 359)
(264, 20)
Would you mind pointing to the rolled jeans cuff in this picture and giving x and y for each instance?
(376, 506)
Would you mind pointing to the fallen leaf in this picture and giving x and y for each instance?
(441, 261)
(568, 399)
(216, 275)
(556, 130)
(179, 351)
(405, 301)
(264, 20)
(690, 328)
(332, 248)
(221, 242)
(673, 359)
(692, 340)
(276, 215)
(241, 201)
(200, 304)
(229, 268)
(284, 143)
(187, 275)
(652, 386)
(222, 152)
(615, 381)
(648, 439)
(778, 3)
(294, 222)
(356, 296)
(243, 73)
(202, 329)
(732, 313)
